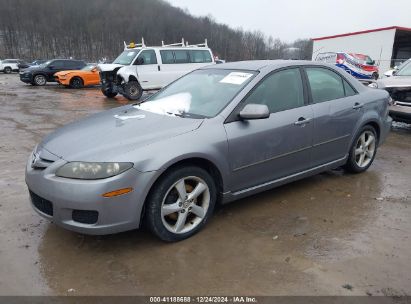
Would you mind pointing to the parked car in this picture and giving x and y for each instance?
(23, 65)
(391, 72)
(358, 65)
(9, 65)
(76, 79)
(40, 75)
(141, 68)
(399, 88)
(220, 133)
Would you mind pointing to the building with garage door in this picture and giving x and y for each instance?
(388, 46)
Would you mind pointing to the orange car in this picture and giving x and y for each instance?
(76, 79)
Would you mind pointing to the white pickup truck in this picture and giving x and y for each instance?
(140, 68)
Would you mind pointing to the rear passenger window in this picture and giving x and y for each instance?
(181, 57)
(325, 84)
(349, 91)
(167, 57)
(200, 56)
(280, 91)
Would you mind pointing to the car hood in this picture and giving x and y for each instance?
(395, 81)
(33, 68)
(109, 67)
(106, 136)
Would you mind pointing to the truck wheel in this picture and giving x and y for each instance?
(7, 70)
(39, 80)
(108, 92)
(133, 90)
(76, 83)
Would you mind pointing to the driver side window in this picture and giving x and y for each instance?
(149, 57)
(280, 91)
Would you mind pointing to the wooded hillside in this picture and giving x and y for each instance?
(92, 29)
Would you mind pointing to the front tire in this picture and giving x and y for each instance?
(76, 83)
(108, 92)
(363, 150)
(181, 203)
(133, 90)
(7, 70)
(39, 80)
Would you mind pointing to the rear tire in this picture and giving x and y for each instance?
(7, 70)
(363, 150)
(39, 80)
(76, 83)
(180, 203)
(133, 90)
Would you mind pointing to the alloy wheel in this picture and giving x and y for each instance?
(185, 205)
(365, 149)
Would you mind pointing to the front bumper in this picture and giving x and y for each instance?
(26, 77)
(69, 197)
(401, 113)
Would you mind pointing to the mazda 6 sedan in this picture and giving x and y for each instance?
(215, 135)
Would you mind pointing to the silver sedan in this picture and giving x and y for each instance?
(215, 135)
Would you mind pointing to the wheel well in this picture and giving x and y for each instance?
(74, 77)
(376, 127)
(198, 162)
(132, 78)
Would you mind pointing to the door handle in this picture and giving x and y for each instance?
(302, 121)
(159, 69)
(357, 106)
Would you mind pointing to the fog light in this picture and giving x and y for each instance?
(118, 192)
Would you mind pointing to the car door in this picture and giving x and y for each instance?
(148, 71)
(54, 67)
(337, 109)
(264, 150)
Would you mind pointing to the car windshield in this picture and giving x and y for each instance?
(126, 57)
(405, 70)
(46, 63)
(88, 67)
(200, 94)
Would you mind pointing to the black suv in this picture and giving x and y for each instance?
(39, 75)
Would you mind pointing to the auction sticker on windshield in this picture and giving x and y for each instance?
(236, 78)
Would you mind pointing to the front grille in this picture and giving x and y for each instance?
(85, 216)
(42, 204)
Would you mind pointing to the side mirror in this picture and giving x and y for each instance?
(254, 111)
(94, 70)
(140, 61)
(394, 72)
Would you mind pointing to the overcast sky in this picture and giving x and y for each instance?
(292, 19)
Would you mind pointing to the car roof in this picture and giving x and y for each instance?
(259, 65)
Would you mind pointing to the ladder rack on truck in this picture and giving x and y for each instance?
(183, 43)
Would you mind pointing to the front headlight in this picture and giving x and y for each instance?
(90, 171)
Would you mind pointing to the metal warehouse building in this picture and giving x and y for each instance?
(387, 46)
